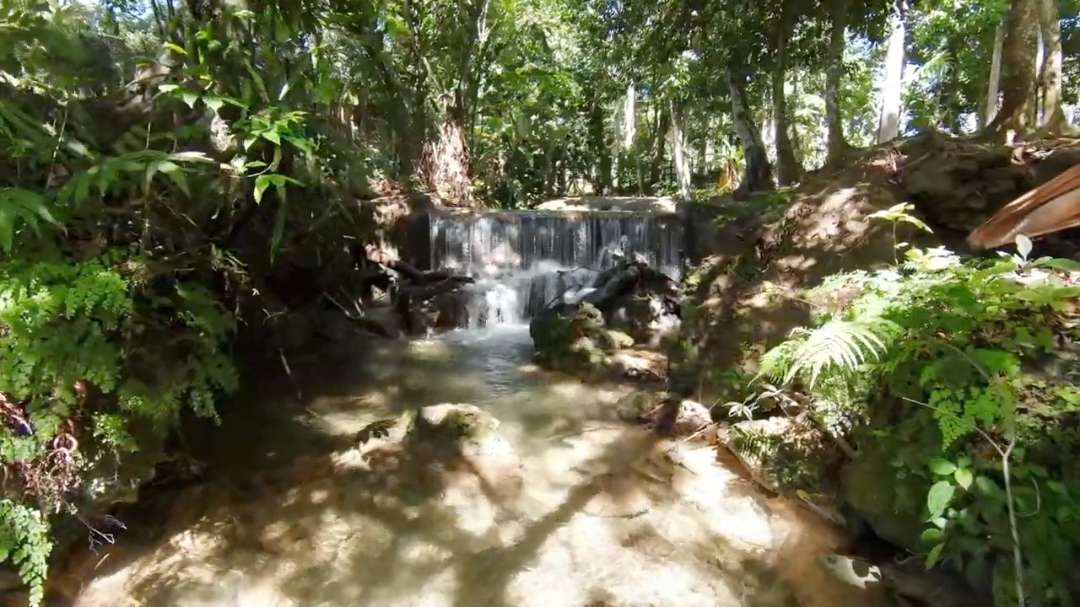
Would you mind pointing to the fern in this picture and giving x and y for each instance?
(22, 207)
(24, 542)
(843, 344)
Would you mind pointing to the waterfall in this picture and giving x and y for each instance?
(523, 260)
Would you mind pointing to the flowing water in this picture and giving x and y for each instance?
(589, 512)
(522, 260)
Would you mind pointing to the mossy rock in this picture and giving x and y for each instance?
(889, 504)
(457, 429)
(616, 340)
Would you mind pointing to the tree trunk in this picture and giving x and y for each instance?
(663, 125)
(787, 167)
(834, 72)
(444, 165)
(629, 161)
(1018, 71)
(993, 92)
(629, 118)
(758, 172)
(889, 124)
(1054, 121)
(601, 151)
(679, 154)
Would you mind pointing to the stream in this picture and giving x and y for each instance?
(293, 510)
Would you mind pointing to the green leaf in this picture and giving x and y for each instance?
(176, 48)
(213, 102)
(964, 477)
(932, 536)
(942, 467)
(934, 556)
(261, 183)
(1063, 265)
(190, 98)
(272, 137)
(168, 88)
(939, 497)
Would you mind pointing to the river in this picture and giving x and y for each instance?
(293, 511)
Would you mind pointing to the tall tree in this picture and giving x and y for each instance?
(758, 175)
(788, 170)
(1019, 52)
(993, 91)
(889, 123)
(834, 72)
(1052, 118)
(679, 154)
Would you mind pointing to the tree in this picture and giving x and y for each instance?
(993, 92)
(788, 170)
(834, 71)
(758, 172)
(679, 153)
(1052, 119)
(889, 124)
(1018, 71)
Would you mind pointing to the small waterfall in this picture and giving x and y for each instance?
(523, 260)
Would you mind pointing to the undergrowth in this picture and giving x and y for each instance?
(982, 355)
(96, 361)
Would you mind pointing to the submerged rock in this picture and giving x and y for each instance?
(669, 414)
(457, 429)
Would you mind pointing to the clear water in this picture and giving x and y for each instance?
(516, 256)
(588, 512)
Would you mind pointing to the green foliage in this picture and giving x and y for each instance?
(947, 347)
(24, 542)
(72, 328)
(19, 208)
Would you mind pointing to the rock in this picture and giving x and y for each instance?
(871, 487)
(294, 330)
(616, 340)
(669, 414)
(634, 407)
(561, 286)
(648, 317)
(426, 308)
(780, 453)
(382, 320)
(689, 418)
(448, 433)
(458, 429)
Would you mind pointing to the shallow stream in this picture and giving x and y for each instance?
(293, 510)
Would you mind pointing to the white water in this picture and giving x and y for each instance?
(522, 260)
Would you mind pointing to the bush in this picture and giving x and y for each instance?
(95, 358)
(973, 353)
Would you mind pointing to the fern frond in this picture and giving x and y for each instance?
(840, 343)
(777, 361)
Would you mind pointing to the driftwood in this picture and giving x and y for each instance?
(428, 276)
(626, 278)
